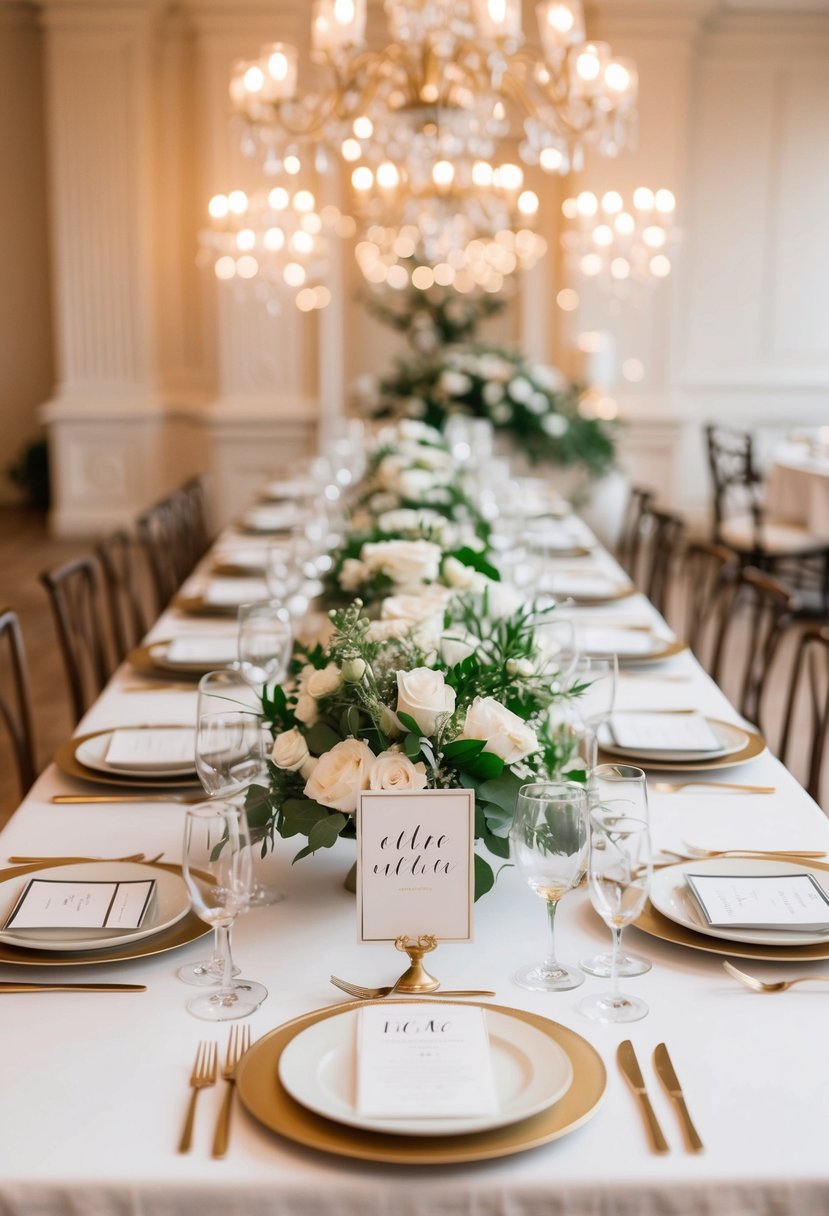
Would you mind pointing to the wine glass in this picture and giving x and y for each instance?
(619, 867)
(548, 843)
(217, 870)
(623, 789)
(265, 642)
(284, 576)
(593, 681)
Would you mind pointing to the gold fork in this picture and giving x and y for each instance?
(770, 985)
(203, 1074)
(237, 1044)
(368, 994)
(21, 860)
(679, 787)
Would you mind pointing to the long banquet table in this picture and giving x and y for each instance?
(95, 1086)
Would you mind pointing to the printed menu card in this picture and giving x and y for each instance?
(761, 901)
(54, 904)
(664, 732)
(423, 1061)
(415, 864)
(168, 747)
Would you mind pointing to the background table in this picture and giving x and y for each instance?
(797, 489)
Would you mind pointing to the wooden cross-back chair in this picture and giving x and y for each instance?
(807, 702)
(707, 568)
(83, 628)
(16, 703)
(159, 534)
(637, 515)
(663, 548)
(117, 557)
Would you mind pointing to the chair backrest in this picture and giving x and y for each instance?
(809, 683)
(637, 513)
(194, 498)
(734, 477)
(707, 570)
(16, 705)
(83, 628)
(116, 555)
(663, 550)
(770, 610)
(159, 533)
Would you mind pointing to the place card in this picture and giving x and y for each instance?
(202, 650)
(55, 904)
(231, 592)
(415, 870)
(623, 642)
(424, 1061)
(761, 901)
(164, 748)
(663, 732)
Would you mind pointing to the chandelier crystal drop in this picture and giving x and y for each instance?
(620, 245)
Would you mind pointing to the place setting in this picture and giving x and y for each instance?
(187, 657)
(140, 757)
(681, 740)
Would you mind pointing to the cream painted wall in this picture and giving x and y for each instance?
(26, 365)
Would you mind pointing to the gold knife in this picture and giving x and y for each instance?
(84, 799)
(11, 986)
(626, 1059)
(667, 1075)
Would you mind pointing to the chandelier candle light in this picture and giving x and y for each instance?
(618, 245)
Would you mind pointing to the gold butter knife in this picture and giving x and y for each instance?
(11, 986)
(89, 799)
(629, 1065)
(667, 1075)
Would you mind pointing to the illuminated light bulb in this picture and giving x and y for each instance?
(654, 237)
(612, 202)
(482, 173)
(443, 173)
(588, 65)
(643, 198)
(274, 239)
(429, 92)
(362, 178)
(591, 264)
(322, 296)
(344, 11)
(569, 208)
(303, 201)
(375, 273)
(292, 165)
(278, 65)
(404, 247)
(237, 201)
(245, 240)
(247, 267)
(302, 243)
(551, 160)
(346, 227)
(363, 127)
(444, 274)
(397, 277)
(311, 223)
(528, 202)
(560, 18)
(567, 299)
(660, 266)
(509, 177)
(306, 301)
(294, 274)
(617, 77)
(603, 235)
(278, 198)
(366, 253)
(665, 202)
(387, 175)
(225, 268)
(586, 203)
(606, 408)
(499, 112)
(218, 206)
(620, 268)
(624, 223)
(633, 370)
(351, 149)
(254, 79)
(423, 278)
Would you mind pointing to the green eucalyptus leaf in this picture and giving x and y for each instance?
(408, 721)
(502, 790)
(484, 877)
(461, 749)
(321, 738)
(411, 746)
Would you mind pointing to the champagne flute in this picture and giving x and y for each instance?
(619, 868)
(548, 842)
(217, 870)
(265, 642)
(621, 788)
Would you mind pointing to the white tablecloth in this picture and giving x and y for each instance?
(95, 1086)
(797, 489)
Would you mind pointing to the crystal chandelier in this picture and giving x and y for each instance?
(427, 126)
(620, 245)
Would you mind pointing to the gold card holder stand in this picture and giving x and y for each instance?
(416, 979)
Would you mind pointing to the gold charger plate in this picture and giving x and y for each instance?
(196, 605)
(667, 651)
(656, 925)
(189, 929)
(591, 601)
(145, 660)
(755, 747)
(263, 1095)
(68, 763)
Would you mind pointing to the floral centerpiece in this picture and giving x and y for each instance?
(452, 699)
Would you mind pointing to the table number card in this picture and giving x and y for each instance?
(415, 870)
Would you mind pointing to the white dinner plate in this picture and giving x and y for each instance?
(318, 1069)
(92, 753)
(731, 738)
(171, 903)
(669, 894)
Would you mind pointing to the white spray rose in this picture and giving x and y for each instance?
(555, 425)
(493, 392)
(324, 682)
(462, 577)
(290, 751)
(425, 696)
(306, 709)
(505, 734)
(416, 607)
(353, 574)
(394, 771)
(406, 562)
(454, 383)
(520, 389)
(457, 646)
(340, 775)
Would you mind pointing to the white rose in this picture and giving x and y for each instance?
(555, 425)
(493, 367)
(502, 599)
(520, 389)
(353, 574)
(290, 751)
(340, 775)
(306, 709)
(324, 682)
(493, 392)
(461, 577)
(420, 607)
(454, 383)
(394, 771)
(406, 562)
(405, 519)
(384, 631)
(538, 404)
(502, 412)
(409, 428)
(520, 667)
(505, 734)
(457, 646)
(433, 458)
(424, 695)
(549, 378)
(414, 484)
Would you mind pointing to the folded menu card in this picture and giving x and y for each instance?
(761, 901)
(163, 748)
(272, 518)
(657, 732)
(588, 584)
(202, 650)
(53, 904)
(230, 592)
(424, 1061)
(592, 640)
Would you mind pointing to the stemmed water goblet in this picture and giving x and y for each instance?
(593, 682)
(548, 844)
(265, 642)
(623, 789)
(217, 869)
(619, 869)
